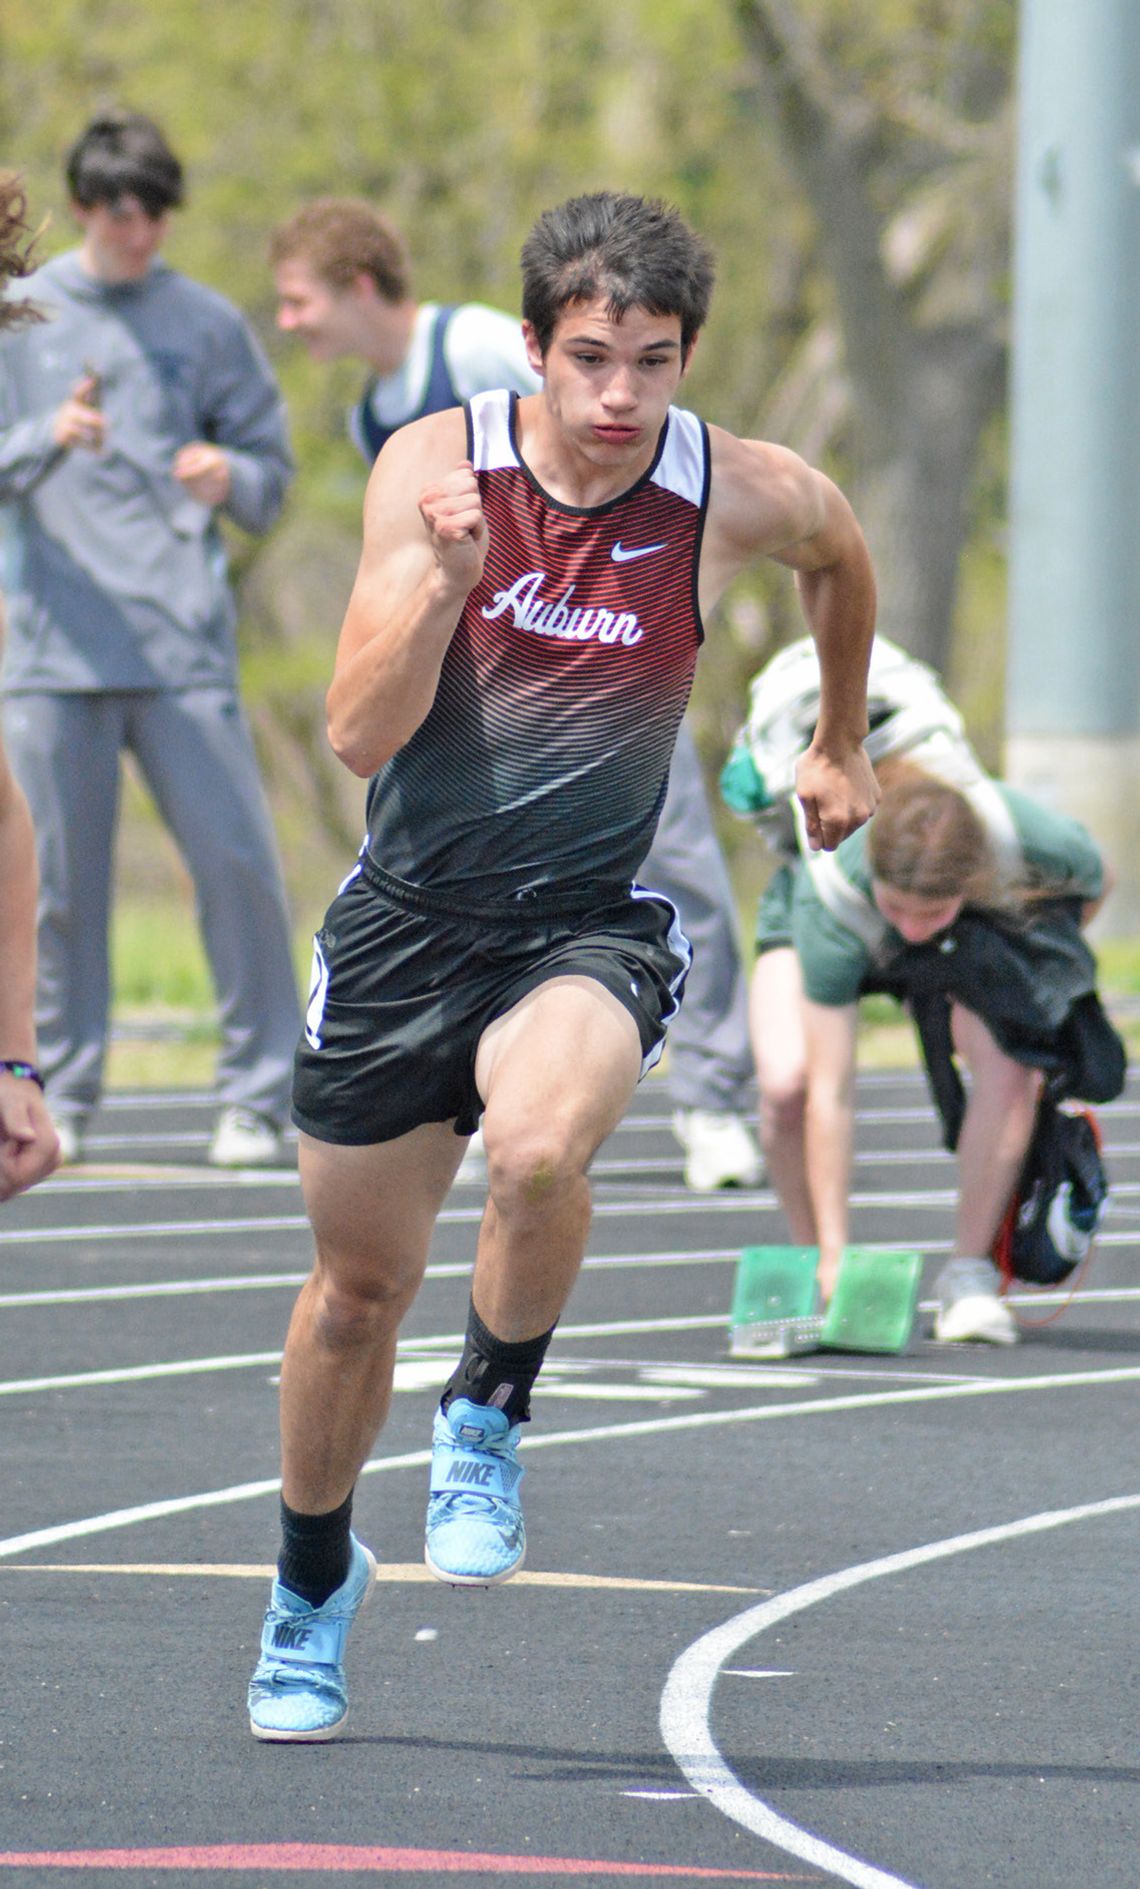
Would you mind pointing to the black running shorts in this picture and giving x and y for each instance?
(404, 986)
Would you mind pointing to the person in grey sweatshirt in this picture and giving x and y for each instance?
(139, 412)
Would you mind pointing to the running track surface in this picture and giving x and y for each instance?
(863, 1620)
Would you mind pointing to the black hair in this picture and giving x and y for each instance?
(124, 154)
(636, 251)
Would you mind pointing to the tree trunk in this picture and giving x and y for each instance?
(922, 389)
(911, 494)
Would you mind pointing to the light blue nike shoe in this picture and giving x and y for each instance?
(298, 1692)
(475, 1532)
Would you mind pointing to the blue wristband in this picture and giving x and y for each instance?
(27, 1070)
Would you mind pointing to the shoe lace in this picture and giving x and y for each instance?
(290, 1676)
(474, 1502)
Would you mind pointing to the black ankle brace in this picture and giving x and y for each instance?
(491, 1371)
(315, 1552)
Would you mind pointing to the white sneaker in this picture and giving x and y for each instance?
(244, 1139)
(720, 1150)
(473, 1166)
(70, 1131)
(969, 1306)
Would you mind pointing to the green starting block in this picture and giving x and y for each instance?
(776, 1311)
(775, 1303)
(873, 1305)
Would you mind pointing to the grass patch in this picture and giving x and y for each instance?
(166, 1033)
(164, 1030)
(157, 960)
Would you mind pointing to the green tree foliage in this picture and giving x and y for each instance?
(465, 118)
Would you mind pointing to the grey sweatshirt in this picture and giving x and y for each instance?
(114, 577)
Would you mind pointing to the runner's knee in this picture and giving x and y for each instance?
(532, 1161)
(349, 1314)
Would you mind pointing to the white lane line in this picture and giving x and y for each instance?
(756, 1672)
(663, 1797)
(687, 1698)
(138, 1177)
(597, 1433)
(632, 1206)
(451, 1342)
(158, 1289)
(656, 1378)
(276, 1281)
(153, 1230)
(138, 1373)
(726, 1255)
(122, 1176)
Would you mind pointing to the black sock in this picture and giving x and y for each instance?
(315, 1552)
(491, 1371)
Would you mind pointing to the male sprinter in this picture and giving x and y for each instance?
(345, 288)
(514, 663)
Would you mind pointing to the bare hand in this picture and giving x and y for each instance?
(838, 793)
(79, 421)
(203, 471)
(29, 1145)
(452, 512)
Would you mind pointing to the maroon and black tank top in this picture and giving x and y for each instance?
(542, 764)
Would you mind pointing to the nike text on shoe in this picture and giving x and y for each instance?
(969, 1309)
(475, 1532)
(297, 1694)
(244, 1139)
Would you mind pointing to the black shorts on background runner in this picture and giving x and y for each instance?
(404, 985)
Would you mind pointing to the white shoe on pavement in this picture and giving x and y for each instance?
(720, 1150)
(244, 1139)
(969, 1307)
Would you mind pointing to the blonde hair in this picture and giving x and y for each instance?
(927, 840)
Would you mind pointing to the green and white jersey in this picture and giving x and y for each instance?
(840, 936)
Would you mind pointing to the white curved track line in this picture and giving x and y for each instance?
(687, 1698)
(596, 1433)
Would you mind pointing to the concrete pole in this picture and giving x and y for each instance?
(1073, 679)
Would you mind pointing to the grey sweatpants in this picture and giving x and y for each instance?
(710, 1059)
(194, 750)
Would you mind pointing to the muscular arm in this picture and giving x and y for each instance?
(829, 1127)
(425, 539)
(766, 502)
(29, 1147)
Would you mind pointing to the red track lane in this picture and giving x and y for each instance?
(342, 1857)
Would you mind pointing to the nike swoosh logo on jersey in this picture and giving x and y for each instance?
(620, 555)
